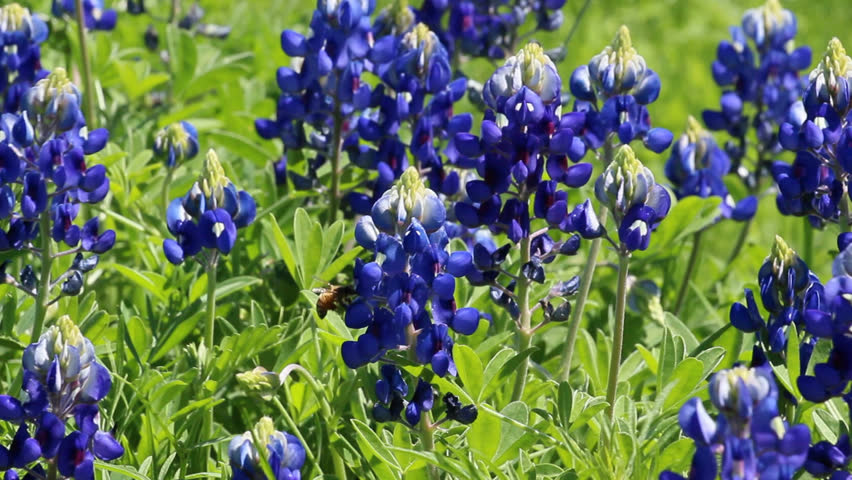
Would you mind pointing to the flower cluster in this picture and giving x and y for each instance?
(765, 76)
(176, 142)
(95, 16)
(751, 436)
(417, 93)
(322, 89)
(284, 453)
(208, 216)
(818, 130)
(62, 380)
(514, 149)
(406, 295)
(638, 204)
(391, 393)
(45, 176)
(612, 92)
(787, 290)
(697, 166)
(21, 36)
(488, 28)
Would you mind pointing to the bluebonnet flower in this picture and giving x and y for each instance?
(417, 93)
(209, 215)
(762, 82)
(44, 148)
(411, 270)
(817, 129)
(613, 91)
(749, 434)
(787, 290)
(176, 142)
(323, 88)
(95, 15)
(62, 380)
(637, 202)
(526, 92)
(487, 28)
(284, 453)
(697, 166)
(21, 36)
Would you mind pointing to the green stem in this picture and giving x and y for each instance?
(687, 275)
(88, 79)
(328, 414)
(211, 301)
(427, 439)
(52, 472)
(164, 193)
(808, 252)
(618, 333)
(740, 242)
(524, 332)
(586, 281)
(844, 211)
(291, 424)
(44, 280)
(173, 14)
(582, 296)
(335, 164)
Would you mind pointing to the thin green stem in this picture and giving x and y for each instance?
(687, 275)
(585, 281)
(337, 147)
(43, 294)
(328, 414)
(427, 439)
(291, 424)
(88, 79)
(808, 250)
(524, 331)
(740, 242)
(211, 302)
(618, 333)
(164, 193)
(844, 211)
(52, 471)
(173, 13)
(582, 296)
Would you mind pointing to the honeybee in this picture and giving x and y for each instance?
(332, 297)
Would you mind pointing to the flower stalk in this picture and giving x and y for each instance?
(88, 79)
(618, 332)
(524, 333)
(44, 280)
(687, 275)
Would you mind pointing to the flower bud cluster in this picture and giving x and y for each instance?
(322, 89)
(21, 36)
(697, 167)
(176, 142)
(818, 130)
(95, 16)
(44, 175)
(613, 91)
(637, 202)
(788, 289)
(285, 454)
(750, 435)
(761, 80)
(209, 215)
(62, 380)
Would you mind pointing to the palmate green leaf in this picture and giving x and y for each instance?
(285, 253)
(688, 216)
(679, 328)
(484, 435)
(684, 381)
(512, 436)
(308, 247)
(492, 370)
(591, 406)
(175, 336)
